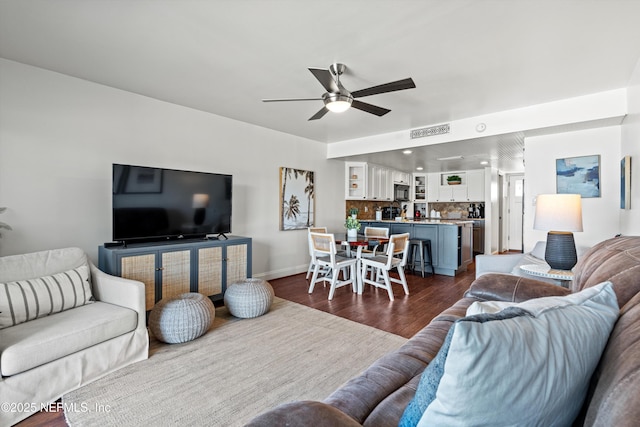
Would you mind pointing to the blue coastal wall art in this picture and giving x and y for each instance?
(578, 175)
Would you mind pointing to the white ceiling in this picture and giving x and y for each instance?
(467, 57)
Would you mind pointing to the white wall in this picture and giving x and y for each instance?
(600, 216)
(630, 146)
(492, 211)
(595, 107)
(59, 136)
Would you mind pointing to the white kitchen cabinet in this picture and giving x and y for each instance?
(356, 180)
(433, 187)
(475, 185)
(386, 192)
(419, 187)
(471, 188)
(401, 177)
(452, 193)
(449, 193)
(380, 185)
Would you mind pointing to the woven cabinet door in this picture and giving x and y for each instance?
(176, 273)
(236, 263)
(143, 269)
(210, 271)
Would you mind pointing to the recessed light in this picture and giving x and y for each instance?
(450, 158)
(407, 152)
(484, 162)
(419, 168)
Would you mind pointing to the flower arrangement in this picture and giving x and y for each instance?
(352, 223)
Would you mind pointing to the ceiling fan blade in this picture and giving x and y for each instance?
(291, 99)
(326, 79)
(320, 114)
(378, 111)
(387, 87)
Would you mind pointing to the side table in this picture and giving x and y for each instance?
(564, 277)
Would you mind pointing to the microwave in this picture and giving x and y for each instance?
(401, 192)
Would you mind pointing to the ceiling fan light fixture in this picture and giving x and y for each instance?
(337, 102)
(338, 99)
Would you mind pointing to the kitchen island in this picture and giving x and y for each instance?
(451, 240)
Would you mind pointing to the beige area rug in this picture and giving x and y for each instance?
(237, 370)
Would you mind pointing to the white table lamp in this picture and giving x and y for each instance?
(560, 215)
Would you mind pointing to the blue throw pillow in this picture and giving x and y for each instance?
(430, 379)
(427, 387)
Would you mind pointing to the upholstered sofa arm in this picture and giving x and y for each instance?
(302, 414)
(496, 263)
(119, 291)
(506, 287)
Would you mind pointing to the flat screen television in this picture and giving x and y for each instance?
(161, 204)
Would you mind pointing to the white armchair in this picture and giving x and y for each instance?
(47, 348)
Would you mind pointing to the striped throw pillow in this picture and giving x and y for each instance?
(26, 300)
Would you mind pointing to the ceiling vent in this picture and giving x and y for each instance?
(430, 131)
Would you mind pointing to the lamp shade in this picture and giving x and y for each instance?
(558, 212)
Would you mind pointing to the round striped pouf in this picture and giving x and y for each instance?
(181, 318)
(249, 298)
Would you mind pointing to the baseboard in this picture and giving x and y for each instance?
(276, 274)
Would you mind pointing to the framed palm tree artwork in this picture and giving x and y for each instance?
(297, 199)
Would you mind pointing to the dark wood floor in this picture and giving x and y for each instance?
(405, 316)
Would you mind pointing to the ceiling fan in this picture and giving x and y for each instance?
(337, 99)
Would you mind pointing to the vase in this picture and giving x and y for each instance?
(352, 232)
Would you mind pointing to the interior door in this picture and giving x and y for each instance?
(516, 198)
(503, 198)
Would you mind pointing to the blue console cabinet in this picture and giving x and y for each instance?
(171, 268)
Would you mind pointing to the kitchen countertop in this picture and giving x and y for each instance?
(444, 221)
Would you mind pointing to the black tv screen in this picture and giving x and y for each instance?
(157, 204)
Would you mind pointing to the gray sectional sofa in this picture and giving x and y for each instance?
(609, 395)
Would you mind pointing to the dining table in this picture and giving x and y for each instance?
(358, 242)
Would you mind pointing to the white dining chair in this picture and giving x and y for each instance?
(326, 255)
(376, 248)
(380, 265)
(374, 232)
(312, 253)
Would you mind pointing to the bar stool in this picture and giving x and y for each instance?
(423, 246)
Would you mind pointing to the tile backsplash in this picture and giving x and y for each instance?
(451, 209)
(367, 209)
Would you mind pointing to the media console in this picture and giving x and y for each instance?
(169, 268)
